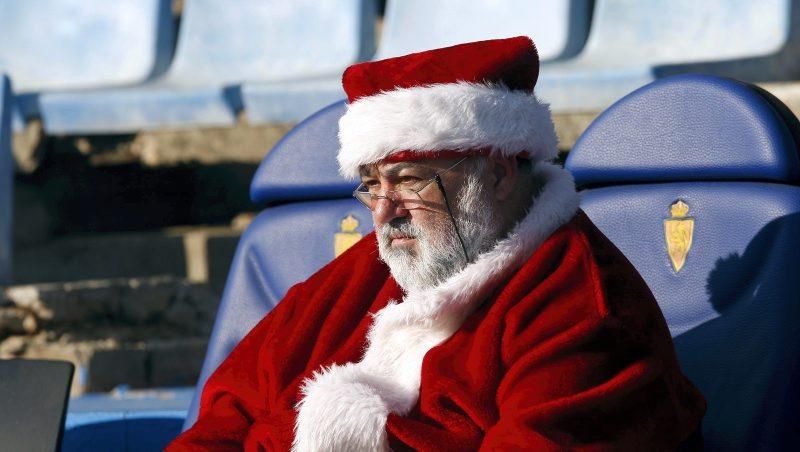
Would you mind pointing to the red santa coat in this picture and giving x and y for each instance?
(550, 341)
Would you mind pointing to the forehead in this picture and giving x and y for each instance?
(388, 169)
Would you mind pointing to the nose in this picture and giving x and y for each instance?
(387, 210)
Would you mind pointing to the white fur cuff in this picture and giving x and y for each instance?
(342, 409)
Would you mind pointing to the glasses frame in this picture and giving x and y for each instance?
(368, 200)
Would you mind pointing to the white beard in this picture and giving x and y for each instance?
(439, 254)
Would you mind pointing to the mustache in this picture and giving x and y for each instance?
(399, 227)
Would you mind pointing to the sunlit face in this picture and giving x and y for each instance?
(417, 239)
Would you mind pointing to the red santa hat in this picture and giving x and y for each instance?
(470, 99)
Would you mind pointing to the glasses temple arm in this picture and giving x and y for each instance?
(450, 212)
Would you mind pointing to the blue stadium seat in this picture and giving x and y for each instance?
(220, 46)
(328, 37)
(311, 217)
(290, 101)
(56, 45)
(6, 181)
(120, 432)
(130, 421)
(632, 43)
(559, 28)
(709, 168)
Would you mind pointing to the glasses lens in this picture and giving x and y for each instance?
(409, 199)
(363, 196)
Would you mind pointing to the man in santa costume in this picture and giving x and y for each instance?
(486, 311)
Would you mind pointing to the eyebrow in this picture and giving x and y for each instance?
(392, 171)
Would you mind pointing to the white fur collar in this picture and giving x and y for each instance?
(344, 407)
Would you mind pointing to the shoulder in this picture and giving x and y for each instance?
(621, 291)
(578, 277)
(592, 260)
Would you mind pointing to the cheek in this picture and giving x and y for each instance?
(423, 219)
(431, 225)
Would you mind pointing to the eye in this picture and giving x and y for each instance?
(409, 180)
(371, 186)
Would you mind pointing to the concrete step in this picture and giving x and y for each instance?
(68, 196)
(140, 332)
(200, 254)
(241, 143)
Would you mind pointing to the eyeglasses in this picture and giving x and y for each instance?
(407, 198)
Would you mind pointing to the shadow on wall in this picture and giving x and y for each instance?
(747, 361)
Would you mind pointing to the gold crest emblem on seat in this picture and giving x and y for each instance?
(347, 235)
(678, 232)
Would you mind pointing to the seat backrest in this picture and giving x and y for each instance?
(696, 180)
(58, 44)
(253, 40)
(6, 181)
(624, 32)
(302, 166)
(34, 398)
(311, 218)
(558, 27)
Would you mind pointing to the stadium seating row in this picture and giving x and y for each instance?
(632, 43)
(90, 67)
(95, 67)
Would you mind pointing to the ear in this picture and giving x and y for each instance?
(505, 172)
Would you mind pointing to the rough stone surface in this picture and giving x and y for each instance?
(139, 332)
(242, 143)
(111, 367)
(99, 256)
(176, 363)
(12, 321)
(570, 126)
(68, 196)
(120, 302)
(13, 346)
(147, 299)
(33, 216)
(27, 147)
(206, 258)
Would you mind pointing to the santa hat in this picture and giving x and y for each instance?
(469, 99)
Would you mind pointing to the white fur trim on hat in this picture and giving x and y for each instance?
(447, 116)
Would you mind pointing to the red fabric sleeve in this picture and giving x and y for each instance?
(606, 377)
(232, 397)
(248, 403)
(583, 389)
